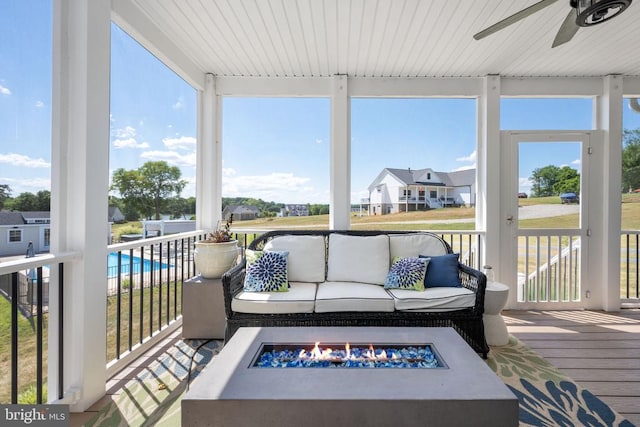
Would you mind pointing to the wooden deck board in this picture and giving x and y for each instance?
(598, 350)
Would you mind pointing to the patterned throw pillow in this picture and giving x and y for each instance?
(266, 271)
(407, 273)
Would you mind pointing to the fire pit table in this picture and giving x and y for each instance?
(335, 376)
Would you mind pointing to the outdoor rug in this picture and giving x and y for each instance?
(546, 396)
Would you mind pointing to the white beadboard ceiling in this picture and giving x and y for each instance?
(384, 38)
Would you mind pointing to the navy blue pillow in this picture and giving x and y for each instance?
(442, 271)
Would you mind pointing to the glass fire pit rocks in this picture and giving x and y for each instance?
(347, 356)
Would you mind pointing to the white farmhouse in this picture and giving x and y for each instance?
(403, 190)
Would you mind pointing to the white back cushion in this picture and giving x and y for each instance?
(413, 245)
(306, 261)
(362, 259)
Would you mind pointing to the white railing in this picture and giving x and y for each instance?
(549, 266)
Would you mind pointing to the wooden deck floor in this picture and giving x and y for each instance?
(600, 351)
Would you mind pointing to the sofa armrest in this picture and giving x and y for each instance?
(476, 281)
(232, 283)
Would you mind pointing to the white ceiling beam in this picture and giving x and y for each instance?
(550, 87)
(129, 17)
(274, 86)
(631, 86)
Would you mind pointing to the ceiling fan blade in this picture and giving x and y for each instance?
(567, 30)
(513, 18)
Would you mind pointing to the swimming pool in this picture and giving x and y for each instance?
(112, 264)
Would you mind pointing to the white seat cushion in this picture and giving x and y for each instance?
(414, 245)
(433, 299)
(352, 296)
(363, 259)
(300, 298)
(306, 261)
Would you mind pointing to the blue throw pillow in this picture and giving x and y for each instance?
(266, 271)
(407, 273)
(442, 271)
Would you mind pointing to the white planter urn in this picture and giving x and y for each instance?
(214, 259)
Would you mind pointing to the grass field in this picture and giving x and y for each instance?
(444, 219)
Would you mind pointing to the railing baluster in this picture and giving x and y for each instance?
(14, 338)
(118, 304)
(131, 267)
(39, 333)
(151, 286)
(160, 286)
(141, 314)
(60, 330)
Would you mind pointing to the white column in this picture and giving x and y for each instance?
(604, 245)
(340, 199)
(488, 171)
(209, 157)
(79, 187)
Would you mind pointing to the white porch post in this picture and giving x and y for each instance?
(340, 198)
(79, 188)
(209, 157)
(605, 247)
(488, 171)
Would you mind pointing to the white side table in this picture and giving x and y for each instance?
(203, 313)
(495, 298)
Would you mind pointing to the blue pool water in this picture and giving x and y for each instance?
(112, 264)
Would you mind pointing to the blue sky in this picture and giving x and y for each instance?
(274, 149)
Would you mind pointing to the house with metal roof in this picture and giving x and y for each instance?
(404, 190)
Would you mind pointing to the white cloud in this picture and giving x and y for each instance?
(25, 161)
(179, 105)
(39, 104)
(4, 90)
(124, 133)
(129, 143)
(281, 187)
(463, 168)
(26, 185)
(470, 158)
(183, 142)
(171, 157)
(524, 185)
(577, 162)
(318, 141)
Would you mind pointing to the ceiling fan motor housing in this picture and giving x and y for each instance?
(592, 12)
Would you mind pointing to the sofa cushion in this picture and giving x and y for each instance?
(407, 273)
(299, 299)
(363, 259)
(442, 271)
(352, 296)
(266, 271)
(306, 261)
(433, 299)
(413, 245)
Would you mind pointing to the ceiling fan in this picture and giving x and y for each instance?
(584, 13)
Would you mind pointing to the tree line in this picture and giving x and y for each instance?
(154, 188)
(148, 192)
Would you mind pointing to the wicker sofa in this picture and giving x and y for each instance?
(335, 280)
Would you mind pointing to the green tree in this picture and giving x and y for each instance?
(630, 159)
(30, 202)
(149, 188)
(568, 181)
(553, 180)
(544, 179)
(162, 182)
(5, 193)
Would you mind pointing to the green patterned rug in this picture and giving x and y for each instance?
(547, 397)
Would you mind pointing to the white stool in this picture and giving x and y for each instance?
(495, 298)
